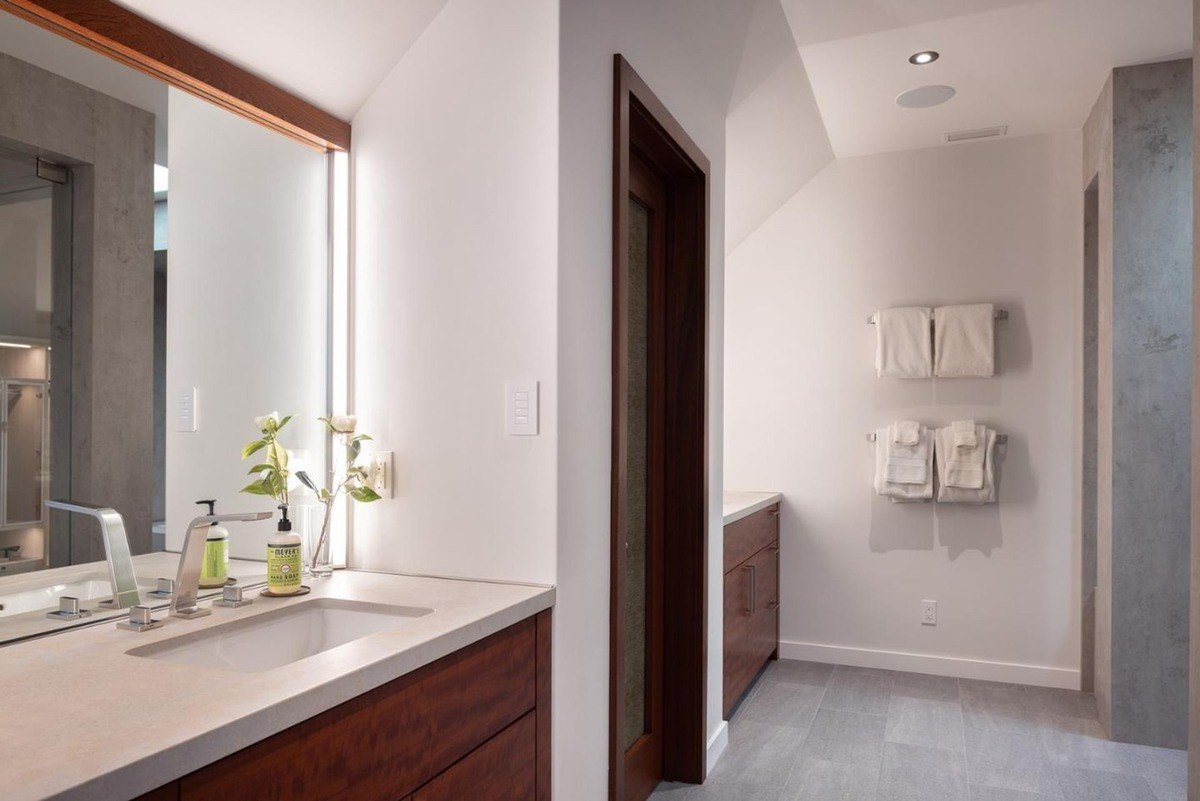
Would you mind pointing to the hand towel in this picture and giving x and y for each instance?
(964, 434)
(964, 341)
(902, 343)
(907, 463)
(907, 432)
(960, 465)
(945, 451)
(923, 449)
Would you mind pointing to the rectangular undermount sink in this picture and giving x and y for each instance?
(279, 637)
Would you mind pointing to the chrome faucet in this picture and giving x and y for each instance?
(116, 549)
(187, 580)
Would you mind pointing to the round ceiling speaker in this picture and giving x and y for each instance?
(925, 96)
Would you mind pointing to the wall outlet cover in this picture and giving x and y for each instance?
(379, 472)
(928, 613)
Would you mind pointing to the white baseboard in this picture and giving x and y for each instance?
(716, 746)
(1036, 675)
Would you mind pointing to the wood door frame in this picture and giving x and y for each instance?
(120, 34)
(641, 122)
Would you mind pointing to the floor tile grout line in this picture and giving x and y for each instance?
(962, 718)
(883, 742)
(811, 722)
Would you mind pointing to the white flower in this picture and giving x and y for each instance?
(343, 423)
(261, 422)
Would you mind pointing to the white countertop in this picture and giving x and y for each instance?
(743, 504)
(82, 719)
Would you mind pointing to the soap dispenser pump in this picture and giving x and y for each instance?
(283, 558)
(214, 570)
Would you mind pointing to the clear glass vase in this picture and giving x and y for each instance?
(315, 524)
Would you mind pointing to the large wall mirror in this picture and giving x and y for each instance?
(165, 277)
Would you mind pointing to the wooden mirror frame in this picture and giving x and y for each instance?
(120, 34)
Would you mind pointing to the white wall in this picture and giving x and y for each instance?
(246, 294)
(25, 264)
(1000, 222)
(688, 52)
(775, 137)
(455, 164)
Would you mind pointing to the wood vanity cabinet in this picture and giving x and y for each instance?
(473, 725)
(751, 599)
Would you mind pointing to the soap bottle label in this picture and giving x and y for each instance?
(283, 568)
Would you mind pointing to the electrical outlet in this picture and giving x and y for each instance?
(928, 613)
(379, 472)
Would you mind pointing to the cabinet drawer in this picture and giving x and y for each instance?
(385, 744)
(502, 769)
(748, 536)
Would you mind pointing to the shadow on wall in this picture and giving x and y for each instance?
(956, 527)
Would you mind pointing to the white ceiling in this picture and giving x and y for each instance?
(331, 54)
(825, 20)
(1035, 67)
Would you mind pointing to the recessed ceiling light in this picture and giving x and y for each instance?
(924, 57)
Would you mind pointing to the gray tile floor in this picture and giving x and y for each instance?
(811, 732)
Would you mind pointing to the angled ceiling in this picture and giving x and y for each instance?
(331, 54)
(815, 21)
(1033, 66)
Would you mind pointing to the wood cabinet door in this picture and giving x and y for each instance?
(737, 634)
(502, 769)
(764, 620)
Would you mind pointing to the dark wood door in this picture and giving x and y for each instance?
(641, 719)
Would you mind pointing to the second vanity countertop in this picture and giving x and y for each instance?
(85, 720)
(743, 504)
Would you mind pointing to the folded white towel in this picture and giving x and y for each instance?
(962, 465)
(951, 467)
(907, 432)
(903, 348)
(886, 449)
(964, 341)
(964, 434)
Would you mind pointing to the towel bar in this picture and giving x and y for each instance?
(1001, 314)
(1001, 439)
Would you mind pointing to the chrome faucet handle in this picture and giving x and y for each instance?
(68, 609)
(164, 589)
(140, 619)
(116, 549)
(231, 597)
(187, 580)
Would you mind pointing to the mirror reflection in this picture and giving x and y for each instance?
(129, 212)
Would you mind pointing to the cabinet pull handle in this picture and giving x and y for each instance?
(748, 609)
(773, 511)
(753, 589)
(772, 549)
(771, 607)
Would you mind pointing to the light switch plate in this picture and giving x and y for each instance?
(188, 411)
(521, 408)
(379, 473)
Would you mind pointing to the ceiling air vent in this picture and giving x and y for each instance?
(978, 133)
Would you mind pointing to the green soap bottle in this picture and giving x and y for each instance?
(283, 558)
(214, 570)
